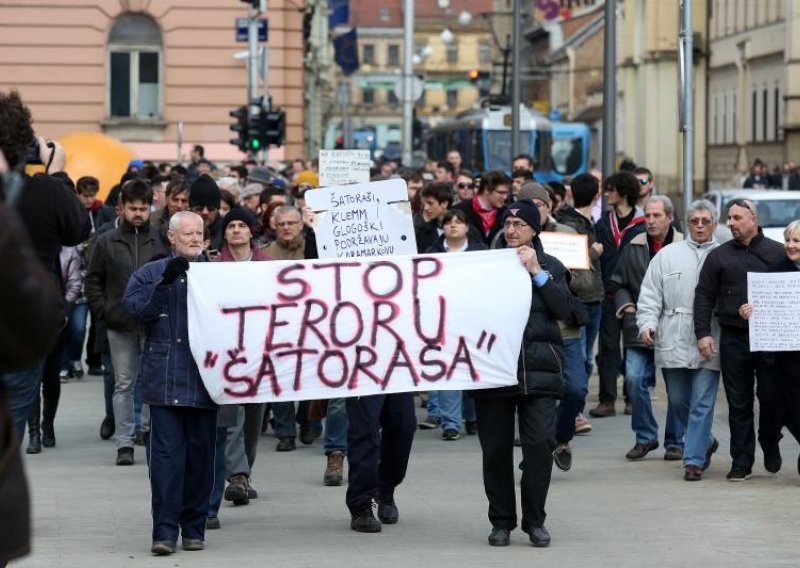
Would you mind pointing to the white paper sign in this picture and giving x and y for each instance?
(343, 167)
(571, 249)
(283, 330)
(366, 219)
(776, 311)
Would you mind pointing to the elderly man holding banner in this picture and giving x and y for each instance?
(182, 415)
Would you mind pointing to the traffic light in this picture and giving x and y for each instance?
(481, 81)
(274, 127)
(255, 131)
(240, 127)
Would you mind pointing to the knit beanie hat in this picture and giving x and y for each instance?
(240, 214)
(307, 176)
(204, 191)
(525, 210)
(533, 190)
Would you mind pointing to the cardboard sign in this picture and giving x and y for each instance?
(365, 219)
(343, 167)
(571, 249)
(283, 330)
(776, 311)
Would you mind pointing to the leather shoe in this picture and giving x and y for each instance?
(638, 451)
(540, 537)
(673, 454)
(710, 452)
(192, 544)
(107, 428)
(772, 459)
(499, 537)
(163, 547)
(603, 410)
(692, 473)
(285, 445)
(388, 513)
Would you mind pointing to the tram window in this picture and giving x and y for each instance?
(499, 148)
(567, 155)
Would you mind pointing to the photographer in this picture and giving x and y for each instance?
(53, 217)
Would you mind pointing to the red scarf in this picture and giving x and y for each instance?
(615, 231)
(488, 218)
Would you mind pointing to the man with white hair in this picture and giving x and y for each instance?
(230, 184)
(182, 414)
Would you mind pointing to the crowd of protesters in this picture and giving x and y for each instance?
(654, 296)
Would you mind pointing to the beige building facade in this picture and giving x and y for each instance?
(147, 72)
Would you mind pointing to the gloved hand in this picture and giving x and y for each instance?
(175, 267)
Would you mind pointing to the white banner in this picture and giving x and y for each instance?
(283, 330)
(363, 219)
(776, 311)
(342, 167)
(571, 249)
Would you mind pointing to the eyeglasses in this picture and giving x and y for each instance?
(200, 208)
(516, 225)
(644, 181)
(465, 185)
(287, 223)
(697, 222)
(501, 191)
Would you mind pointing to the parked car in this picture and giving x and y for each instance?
(776, 209)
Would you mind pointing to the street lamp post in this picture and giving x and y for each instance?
(408, 101)
(516, 87)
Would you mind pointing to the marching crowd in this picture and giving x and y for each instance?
(658, 294)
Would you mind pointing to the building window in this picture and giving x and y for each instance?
(714, 132)
(369, 54)
(393, 56)
(452, 52)
(754, 117)
(368, 96)
(134, 67)
(452, 98)
(777, 114)
(484, 52)
(765, 116)
(391, 98)
(734, 113)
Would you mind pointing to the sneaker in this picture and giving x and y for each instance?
(285, 445)
(692, 473)
(430, 423)
(673, 454)
(363, 519)
(582, 425)
(76, 369)
(709, 452)
(252, 492)
(125, 456)
(334, 470)
(236, 491)
(471, 427)
(212, 523)
(639, 451)
(738, 474)
(387, 510)
(603, 410)
(562, 457)
(63, 376)
(107, 428)
(163, 547)
(450, 435)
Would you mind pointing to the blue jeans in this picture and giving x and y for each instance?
(76, 332)
(468, 407)
(640, 375)
(336, 426)
(433, 404)
(576, 385)
(21, 390)
(692, 394)
(450, 407)
(589, 334)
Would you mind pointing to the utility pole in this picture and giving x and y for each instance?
(254, 105)
(408, 70)
(516, 87)
(609, 146)
(687, 100)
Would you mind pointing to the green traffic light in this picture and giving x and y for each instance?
(255, 144)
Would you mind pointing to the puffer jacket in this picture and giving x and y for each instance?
(115, 256)
(540, 371)
(627, 281)
(169, 374)
(666, 302)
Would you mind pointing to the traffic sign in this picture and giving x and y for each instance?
(241, 29)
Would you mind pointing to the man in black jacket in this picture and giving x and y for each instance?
(541, 384)
(116, 255)
(436, 200)
(485, 211)
(615, 230)
(722, 289)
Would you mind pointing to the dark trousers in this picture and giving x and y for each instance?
(380, 430)
(537, 423)
(609, 351)
(740, 370)
(788, 377)
(181, 453)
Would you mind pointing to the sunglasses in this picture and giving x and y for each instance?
(644, 181)
(199, 208)
(741, 203)
(465, 185)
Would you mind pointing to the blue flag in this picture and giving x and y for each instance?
(338, 13)
(346, 52)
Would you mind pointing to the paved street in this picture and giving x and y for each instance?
(605, 512)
